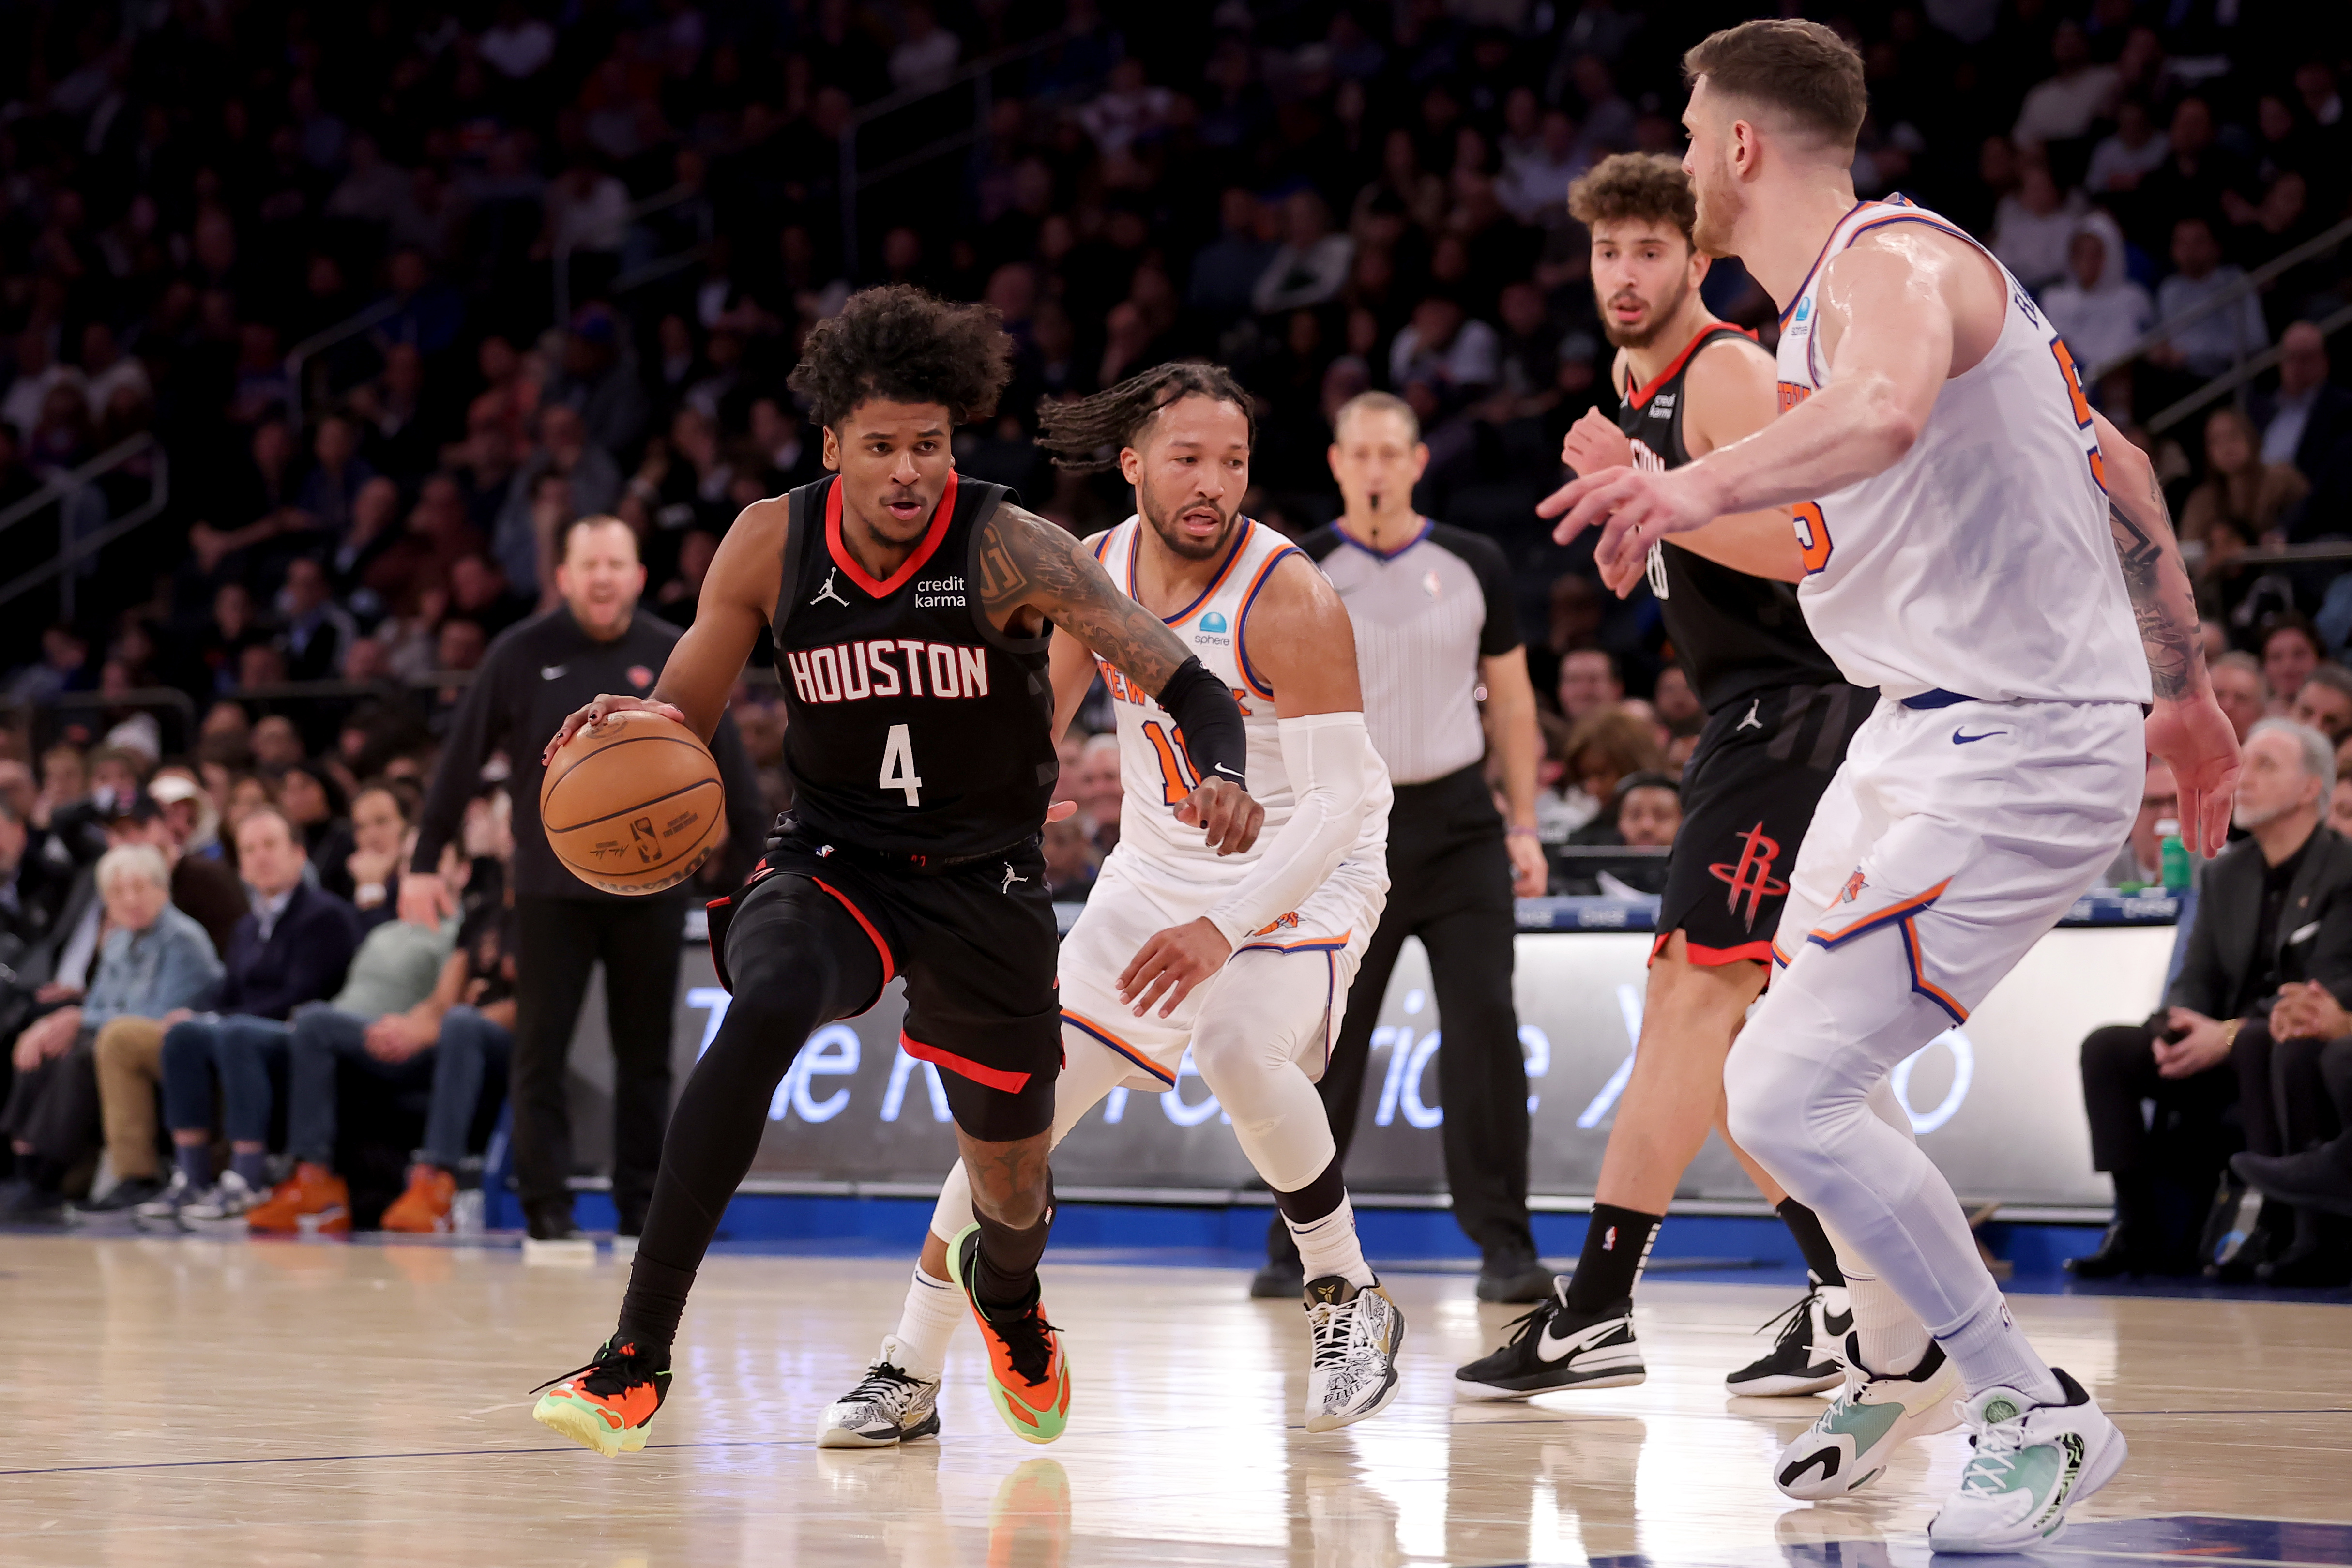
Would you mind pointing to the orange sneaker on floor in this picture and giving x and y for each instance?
(310, 1189)
(424, 1208)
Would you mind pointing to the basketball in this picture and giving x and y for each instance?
(633, 805)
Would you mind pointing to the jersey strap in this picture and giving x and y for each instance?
(1258, 683)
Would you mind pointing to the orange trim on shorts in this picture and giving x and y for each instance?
(889, 966)
(1919, 981)
(1304, 945)
(1887, 916)
(1087, 1026)
(964, 1066)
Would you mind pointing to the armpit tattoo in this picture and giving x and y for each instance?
(1027, 561)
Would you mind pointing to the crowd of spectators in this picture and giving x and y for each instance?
(1327, 197)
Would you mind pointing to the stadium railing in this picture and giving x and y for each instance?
(80, 533)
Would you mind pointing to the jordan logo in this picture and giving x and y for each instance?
(1011, 876)
(829, 591)
(1751, 874)
(1751, 721)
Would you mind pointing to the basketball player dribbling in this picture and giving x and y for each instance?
(1960, 508)
(909, 612)
(1779, 717)
(1245, 958)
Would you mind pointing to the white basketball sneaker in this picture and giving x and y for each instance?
(2032, 1463)
(1355, 1336)
(888, 1406)
(1848, 1445)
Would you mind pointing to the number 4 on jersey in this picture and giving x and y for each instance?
(898, 765)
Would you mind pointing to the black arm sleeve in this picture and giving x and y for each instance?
(466, 747)
(747, 812)
(1208, 721)
(1484, 558)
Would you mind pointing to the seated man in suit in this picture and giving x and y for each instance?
(2273, 910)
(2313, 1171)
(294, 947)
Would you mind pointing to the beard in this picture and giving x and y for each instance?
(1164, 525)
(1642, 336)
(1720, 207)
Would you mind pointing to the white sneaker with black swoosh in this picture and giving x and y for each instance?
(1848, 1444)
(1804, 1358)
(2032, 1463)
(1552, 1348)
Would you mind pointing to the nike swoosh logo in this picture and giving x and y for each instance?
(551, 672)
(1222, 768)
(1959, 739)
(1839, 1324)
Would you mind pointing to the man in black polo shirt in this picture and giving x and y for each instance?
(532, 678)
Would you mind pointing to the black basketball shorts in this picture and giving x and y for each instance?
(975, 944)
(1749, 794)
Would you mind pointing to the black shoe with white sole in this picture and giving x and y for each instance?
(1804, 1358)
(1552, 1348)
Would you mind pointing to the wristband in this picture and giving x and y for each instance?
(1522, 833)
(1208, 721)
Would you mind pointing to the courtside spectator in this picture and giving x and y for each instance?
(2291, 651)
(294, 947)
(2324, 702)
(2240, 689)
(154, 960)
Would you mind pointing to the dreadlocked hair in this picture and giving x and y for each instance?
(1077, 432)
(901, 344)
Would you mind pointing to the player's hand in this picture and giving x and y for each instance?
(2190, 736)
(1173, 961)
(596, 712)
(1530, 870)
(1634, 508)
(426, 900)
(1594, 443)
(1223, 811)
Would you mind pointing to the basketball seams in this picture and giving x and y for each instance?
(684, 862)
(646, 804)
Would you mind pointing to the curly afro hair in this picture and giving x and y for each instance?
(902, 345)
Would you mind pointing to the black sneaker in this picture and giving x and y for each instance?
(1554, 1348)
(1516, 1278)
(1284, 1277)
(550, 1222)
(606, 1404)
(1804, 1358)
(121, 1204)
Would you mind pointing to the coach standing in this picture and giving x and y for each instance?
(1432, 607)
(533, 677)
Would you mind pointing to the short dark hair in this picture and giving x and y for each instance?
(1643, 187)
(1801, 68)
(1077, 431)
(900, 343)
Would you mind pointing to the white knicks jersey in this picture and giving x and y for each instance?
(1174, 861)
(1982, 562)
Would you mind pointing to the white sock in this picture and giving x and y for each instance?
(1892, 1338)
(927, 1323)
(1991, 1353)
(1328, 1246)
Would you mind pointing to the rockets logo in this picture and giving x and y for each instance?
(1751, 874)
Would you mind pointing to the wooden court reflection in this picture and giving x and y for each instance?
(197, 1402)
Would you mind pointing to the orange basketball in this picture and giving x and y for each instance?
(632, 804)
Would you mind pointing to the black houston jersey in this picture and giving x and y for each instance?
(1736, 634)
(915, 726)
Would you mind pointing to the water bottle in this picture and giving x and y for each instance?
(2173, 856)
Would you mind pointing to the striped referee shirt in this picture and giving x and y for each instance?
(1424, 614)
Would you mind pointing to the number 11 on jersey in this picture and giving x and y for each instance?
(898, 765)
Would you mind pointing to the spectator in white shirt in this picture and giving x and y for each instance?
(1442, 346)
(2221, 337)
(2063, 107)
(2136, 148)
(927, 56)
(1537, 171)
(1130, 110)
(2033, 226)
(1312, 265)
(2098, 310)
(519, 43)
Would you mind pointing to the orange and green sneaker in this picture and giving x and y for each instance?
(1028, 1372)
(606, 1404)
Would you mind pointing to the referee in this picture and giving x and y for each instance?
(1432, 607)
(531, 678)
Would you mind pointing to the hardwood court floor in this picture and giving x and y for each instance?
(183, 1403)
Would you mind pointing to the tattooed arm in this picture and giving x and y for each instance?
(1033, 570)
(2186, 729)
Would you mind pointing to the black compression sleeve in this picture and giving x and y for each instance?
(1209, 721)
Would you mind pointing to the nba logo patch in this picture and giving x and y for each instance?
(640, 677)
(1213, 621)
(1853, 887)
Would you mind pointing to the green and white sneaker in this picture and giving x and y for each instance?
(1848, 1446)
(2032, 1463)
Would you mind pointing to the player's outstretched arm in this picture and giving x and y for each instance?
(2187, 728)
(1029, 563)
(745, 577)
(1887, 333)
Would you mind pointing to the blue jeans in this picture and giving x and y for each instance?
(244, 1051)
(325, 1039)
